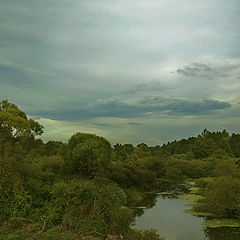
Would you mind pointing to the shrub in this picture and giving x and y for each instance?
(223, 197)
(14, 200)
(90, 206)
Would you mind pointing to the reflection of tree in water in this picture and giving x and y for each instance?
(222, 233)
(149, 201)
(174, 188)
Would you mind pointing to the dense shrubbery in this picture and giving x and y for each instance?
(222, 195)
(91, 206)
(15, 202)
(66, 191)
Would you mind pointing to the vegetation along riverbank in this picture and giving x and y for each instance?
(87, 189)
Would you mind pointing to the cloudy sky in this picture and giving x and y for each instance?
(132, 71)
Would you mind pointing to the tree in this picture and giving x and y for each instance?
(142, 150)
(123, 152)
(15, 127)
(235, 144)
(16, 132)
(203, 147)
(87, 154)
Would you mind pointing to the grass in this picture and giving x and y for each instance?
(23, 229)
(194, 189)
(190, 182)
(215, 223)
(30, 233)
(164, 193)
(200, 214)
(191, 197)
(141, 207)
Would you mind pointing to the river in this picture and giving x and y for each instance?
(166, 214)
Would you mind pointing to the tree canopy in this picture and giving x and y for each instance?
(15, 127)
(88, 154)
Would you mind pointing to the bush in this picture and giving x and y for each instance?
(223, 197)
(90, 206)
(14, 200)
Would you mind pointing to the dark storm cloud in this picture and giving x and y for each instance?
(196, 108)
(125, 110)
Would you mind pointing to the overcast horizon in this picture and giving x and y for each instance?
(131, 71)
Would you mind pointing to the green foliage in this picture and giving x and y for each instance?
(174, 174)
(216, 223)
(15, 128)
(91, 206)
(52, 148)
(124, 152)
(223, 197)
(235, 144)
(14, 200)
(25, 229)
(204, 182)
(203, 148)
(38, 177)
(227, 168)
(136, 175)
(88, 154)
(14, 122)
(155, 165)
(60, 191)
(143, 235)
(142, 150)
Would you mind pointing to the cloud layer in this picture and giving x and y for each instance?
(109, 66)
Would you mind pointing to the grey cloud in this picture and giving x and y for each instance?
(75, 53)
(124, 110)
(153, 86)
(135, 124)
(195, 108)
(210, 71)
(198, 70)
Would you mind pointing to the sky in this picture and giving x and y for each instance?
(132, 71)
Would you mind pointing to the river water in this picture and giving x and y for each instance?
(166, 214)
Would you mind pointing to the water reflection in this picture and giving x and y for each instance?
(149, 201)
(165, 213)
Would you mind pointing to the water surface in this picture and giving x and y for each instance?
(166, 215)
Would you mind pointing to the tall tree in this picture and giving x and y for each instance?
(15, 128)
